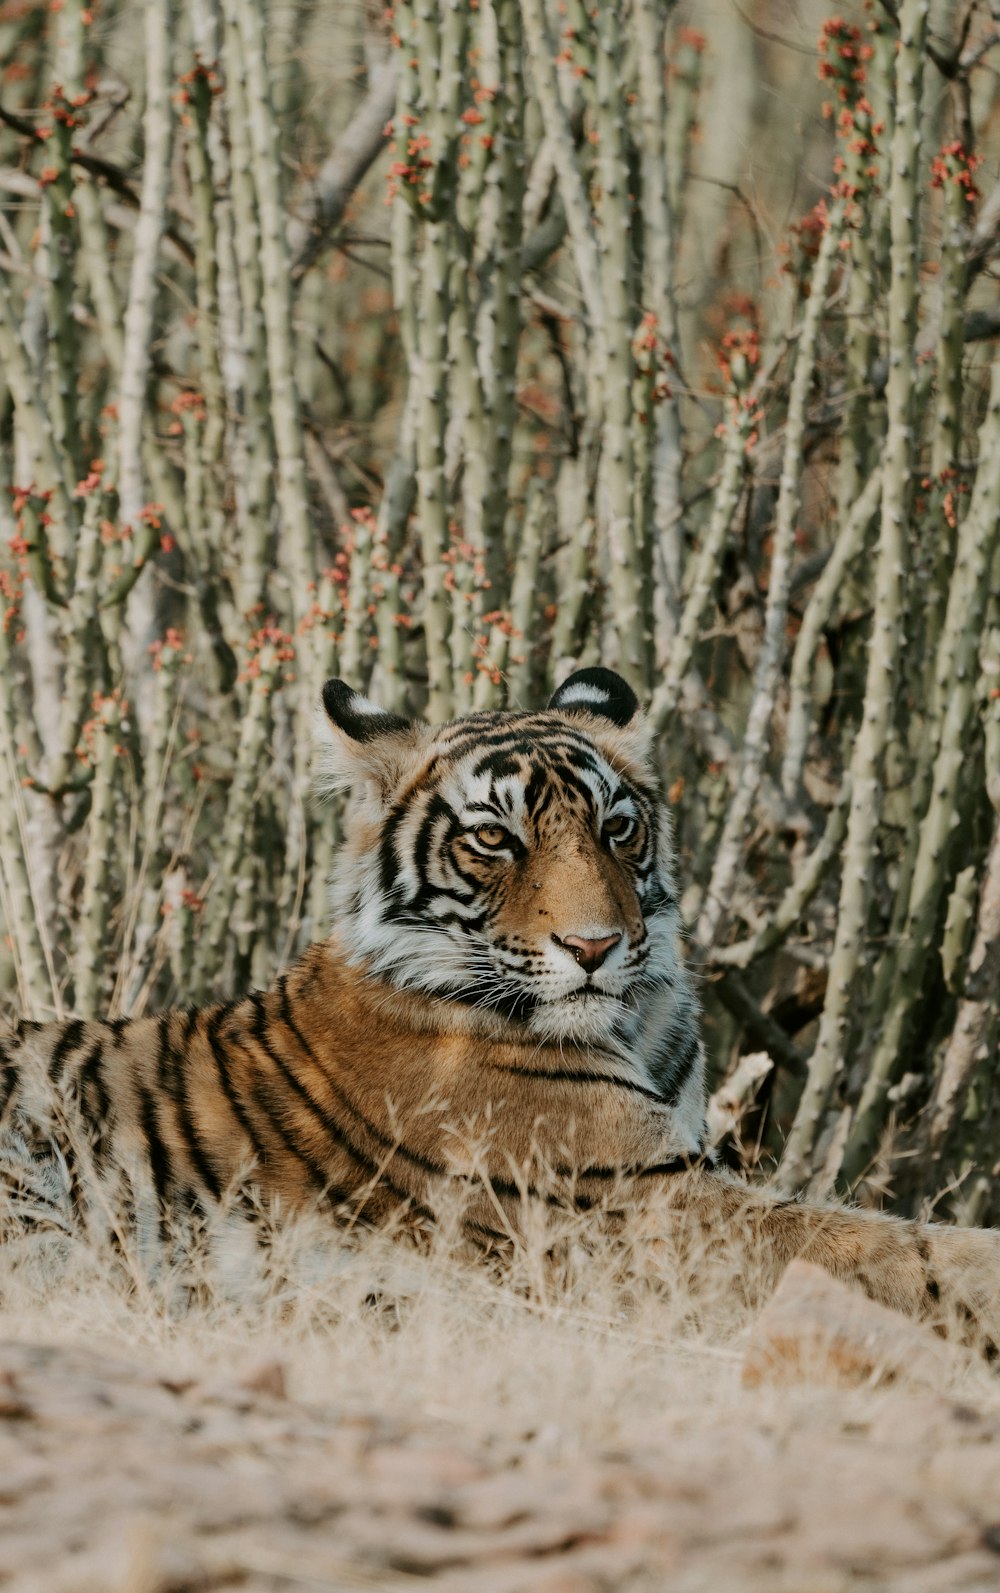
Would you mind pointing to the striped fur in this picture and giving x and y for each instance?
(446, 1032)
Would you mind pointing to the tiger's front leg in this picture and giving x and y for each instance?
(949, 1276)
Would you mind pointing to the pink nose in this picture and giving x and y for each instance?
(588, 953)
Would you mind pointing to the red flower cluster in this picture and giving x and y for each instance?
(954, 164)
(843, 57)
(652, 357)
(739, 356)
(269, 636)
(843, 64)
(171, 644)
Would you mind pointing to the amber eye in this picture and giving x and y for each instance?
(491, 836)
(619, 828)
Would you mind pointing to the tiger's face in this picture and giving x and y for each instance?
(518, 863)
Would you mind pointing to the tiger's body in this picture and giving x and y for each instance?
(501, 1007)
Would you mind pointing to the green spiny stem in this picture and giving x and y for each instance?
(524, 594)
(197, 537)
(400, 486)
(827, 1061)
(255, 492)
(788, 913)
(199, 163)
(938, 535)
(62, 343)
(84, 666)
(956, 682)
(856, 433)
(48, 465)
(682, 116)
(644, 419)
(540, 53)
(767, 673)
(247, 18)
(500, 335)
(228, 897)
(659, 250)
(403, 219)
(441, 42)
(36, 986)
(93, 963)
(968, 1044)
(394, 514)
(851, 540)
(615, 218)
(141, 302)
(148, 898)
(355, 653)
(431, 486)
(575, 491)
(505, 668)
(576, 585)
(391, 687)
(956, 937)
(707, 564)
(95, 250)
(469, 427)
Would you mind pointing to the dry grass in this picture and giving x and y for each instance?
(559, 1427)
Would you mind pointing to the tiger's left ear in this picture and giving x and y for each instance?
(603, 695)
(359, 741)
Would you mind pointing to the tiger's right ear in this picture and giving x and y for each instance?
(359, 741)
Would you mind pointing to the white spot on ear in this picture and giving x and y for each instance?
(364, 705)
(583, 693)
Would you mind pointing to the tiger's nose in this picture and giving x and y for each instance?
(588, 953)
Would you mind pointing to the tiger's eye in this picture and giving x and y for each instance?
(619, 827)
(491, 835)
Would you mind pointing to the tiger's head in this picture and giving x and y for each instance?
(518, 863)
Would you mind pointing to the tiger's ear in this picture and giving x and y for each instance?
(601, 694)
(359, 741)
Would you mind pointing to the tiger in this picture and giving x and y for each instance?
(502, 1007)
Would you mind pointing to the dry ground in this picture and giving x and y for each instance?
(339, 1415)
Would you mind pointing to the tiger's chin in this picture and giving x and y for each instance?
(589, 1017)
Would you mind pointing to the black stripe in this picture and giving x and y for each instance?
(175, 1084)
(327, 1122)
(221, 1059)
(67, 1043)
(931, 1286)
(117, 1027)
(580, 1076)
(8, 1083)
(435, 1169)
(318, 1175)
(676, 1164)
(159, 1156)
(676, 1067)
(538, 792)
(90, 1083)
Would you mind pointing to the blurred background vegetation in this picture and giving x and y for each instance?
(451, 346)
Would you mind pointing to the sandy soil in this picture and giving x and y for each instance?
(389, 1421)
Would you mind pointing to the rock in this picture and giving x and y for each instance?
(816, 1329)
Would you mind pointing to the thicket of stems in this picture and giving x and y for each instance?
(453, 376)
